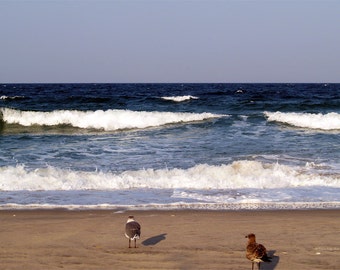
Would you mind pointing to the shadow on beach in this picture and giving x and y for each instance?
(154, 240)
(272, 265)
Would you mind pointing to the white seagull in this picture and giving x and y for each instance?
(132, 230)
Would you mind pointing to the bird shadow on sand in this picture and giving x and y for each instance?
(154, 240)
(272, 265)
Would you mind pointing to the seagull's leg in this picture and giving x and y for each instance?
(259, 265)
(129, 243)
(135, 243)
(252, 265)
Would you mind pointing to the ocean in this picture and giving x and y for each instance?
(170, 146)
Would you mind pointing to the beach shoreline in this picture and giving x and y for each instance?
(171, 239)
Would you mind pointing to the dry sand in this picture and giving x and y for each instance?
(60, 239)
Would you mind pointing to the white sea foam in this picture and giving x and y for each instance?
(108, 120)
(329, 121)
(179, 206)
(179, 98)
(238, 175)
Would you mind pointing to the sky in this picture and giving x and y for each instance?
(169, 41)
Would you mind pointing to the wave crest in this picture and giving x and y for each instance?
(179, 98)
(329, 121)
(109, 120)
(11, 97)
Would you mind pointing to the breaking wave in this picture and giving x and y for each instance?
(109, 120)
(329, 121)
(237, 175)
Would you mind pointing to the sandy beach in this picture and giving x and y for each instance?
(61, 239)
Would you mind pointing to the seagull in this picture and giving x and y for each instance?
(256, 253)
(132, 230)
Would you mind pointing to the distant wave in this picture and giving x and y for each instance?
(329, 121)
(179, 98)
(11, 97)
(109, 120)
(238, 175)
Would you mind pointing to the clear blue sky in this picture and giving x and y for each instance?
(169, 41)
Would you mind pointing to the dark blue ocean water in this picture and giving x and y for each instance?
(170, 145)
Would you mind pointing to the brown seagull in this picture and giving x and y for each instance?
(132, 230)
(256, 253)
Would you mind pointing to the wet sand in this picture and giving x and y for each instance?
(61, 239)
